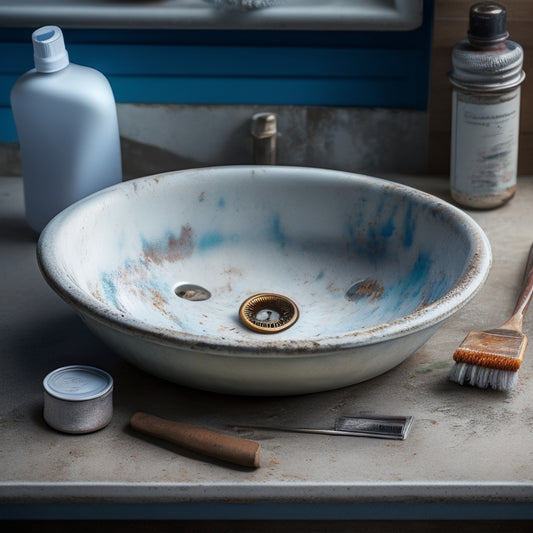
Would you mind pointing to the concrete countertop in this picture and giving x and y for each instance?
(469, 452)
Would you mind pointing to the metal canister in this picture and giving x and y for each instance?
(78, 399)
(486, 76)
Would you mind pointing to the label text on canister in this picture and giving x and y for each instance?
(485, 147)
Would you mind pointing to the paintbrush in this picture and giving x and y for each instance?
(492, 358)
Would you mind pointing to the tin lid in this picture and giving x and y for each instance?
(498, 70)
(77, 383)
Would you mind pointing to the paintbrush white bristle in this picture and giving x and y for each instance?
(483, 377)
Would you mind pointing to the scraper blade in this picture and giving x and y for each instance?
(381, 427)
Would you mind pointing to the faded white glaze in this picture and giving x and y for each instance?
(309, 234)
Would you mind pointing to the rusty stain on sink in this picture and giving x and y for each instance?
(132, 274)
(174, 249)
(368, 288)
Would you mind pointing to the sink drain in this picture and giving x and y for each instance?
(268, 312)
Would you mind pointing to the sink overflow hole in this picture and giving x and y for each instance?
(193, 293)
(369, 288)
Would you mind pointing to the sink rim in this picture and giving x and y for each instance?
(427, 316)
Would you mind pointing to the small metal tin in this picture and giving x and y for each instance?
(78, 399)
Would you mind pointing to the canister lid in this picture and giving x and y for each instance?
(487, 23)
(77, 383)
(487, 61)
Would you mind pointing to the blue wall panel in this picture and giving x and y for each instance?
(249, 67)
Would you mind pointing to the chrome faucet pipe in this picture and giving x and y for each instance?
(264, 133)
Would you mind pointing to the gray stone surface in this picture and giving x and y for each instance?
(466, 445)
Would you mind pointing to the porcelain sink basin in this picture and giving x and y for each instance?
(355, 274)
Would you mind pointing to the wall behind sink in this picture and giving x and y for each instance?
(165, 137)
(350, 100)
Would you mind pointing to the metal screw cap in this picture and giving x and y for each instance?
(488, 23)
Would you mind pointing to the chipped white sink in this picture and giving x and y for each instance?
(159, 267)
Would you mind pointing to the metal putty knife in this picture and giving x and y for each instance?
(381, 427)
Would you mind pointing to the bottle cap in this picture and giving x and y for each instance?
(49, 53)
(488, 23)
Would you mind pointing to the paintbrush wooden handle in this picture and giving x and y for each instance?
(200, 440)
(526, 292)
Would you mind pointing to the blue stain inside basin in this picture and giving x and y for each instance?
(370, 241)
(214, 239)
(387, 229)
(392, 227)
(413, 290)
(419, 274)
(109, 289)
(277, 233)
(409, 226)
(210, 240)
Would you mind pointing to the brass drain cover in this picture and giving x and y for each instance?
(268, 312)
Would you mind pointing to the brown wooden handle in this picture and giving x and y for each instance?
(200, 440)
(526, 293)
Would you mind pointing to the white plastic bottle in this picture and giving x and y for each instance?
(67, 126)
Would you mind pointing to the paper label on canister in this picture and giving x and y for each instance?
(484, 142)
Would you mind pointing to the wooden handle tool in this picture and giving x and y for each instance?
(200, 440)
(492, 358)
